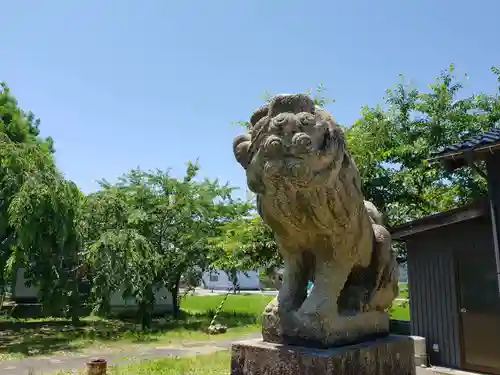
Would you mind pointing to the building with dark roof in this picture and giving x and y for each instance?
(454, 267)
(472, 149)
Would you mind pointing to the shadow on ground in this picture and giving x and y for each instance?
(29, 338)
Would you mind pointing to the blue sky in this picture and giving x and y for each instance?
(120, 83)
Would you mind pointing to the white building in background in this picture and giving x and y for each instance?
(21, 292)
(219, 280)
(118, 305)
(128, 306)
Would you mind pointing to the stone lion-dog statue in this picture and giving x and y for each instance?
(308, 190)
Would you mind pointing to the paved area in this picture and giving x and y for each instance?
(448, 371)
(442, 371)
(133, 354)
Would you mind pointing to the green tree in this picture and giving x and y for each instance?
(246, 244)
(45, 218)
(19, 163)
(19, 126)
(392, 146)
(38, 210)
(150, 228)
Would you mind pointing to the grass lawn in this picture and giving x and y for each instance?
(255, 304)
(212, 364)
(31, 337)
(219, 362)
(400, 308)
(241, 314)
(403, 290)
(240, 303)
(400, 312)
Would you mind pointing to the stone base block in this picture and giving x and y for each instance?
(421, 358)
(313, 330)
(392, 355)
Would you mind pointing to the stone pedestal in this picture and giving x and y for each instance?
(392, 355)
(322, 333)
(421, 358)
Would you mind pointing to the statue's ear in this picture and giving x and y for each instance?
(241, 145)
(258, 115)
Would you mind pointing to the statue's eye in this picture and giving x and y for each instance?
(280, 120)
(307, 121)
(302, 141)
(273, 146)
(307, 118)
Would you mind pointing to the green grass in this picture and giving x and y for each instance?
(32, 337)
(240, 303)
(241, 314)
(255, 304)
(403, 290)
(217, 363)
(400, 310)
(212, 364)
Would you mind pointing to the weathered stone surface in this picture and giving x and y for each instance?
(392, 355)
(342, 331)
(309, 192)
(421, 358)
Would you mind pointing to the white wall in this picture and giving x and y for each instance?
(163, 302)
(20, 290)
(118, 304)
(219, 280)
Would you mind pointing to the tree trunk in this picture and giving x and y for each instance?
(174, 290)
(75, 310)
(2, 297)
(146, 307)
(75, 301)
(75, 318)
(145, 315)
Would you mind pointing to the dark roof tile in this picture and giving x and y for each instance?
(489, 137)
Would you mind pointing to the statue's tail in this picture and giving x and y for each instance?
(375, 286)
(385, 288)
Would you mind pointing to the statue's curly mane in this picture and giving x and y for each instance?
(334, 205)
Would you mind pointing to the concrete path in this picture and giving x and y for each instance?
(132, 354)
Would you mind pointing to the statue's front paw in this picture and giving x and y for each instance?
(272, 330)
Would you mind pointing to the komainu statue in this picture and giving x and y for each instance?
(309, 192)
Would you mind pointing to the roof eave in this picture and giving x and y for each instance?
(442, 219)
(456, 159)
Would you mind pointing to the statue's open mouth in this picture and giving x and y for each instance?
(296, 171)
